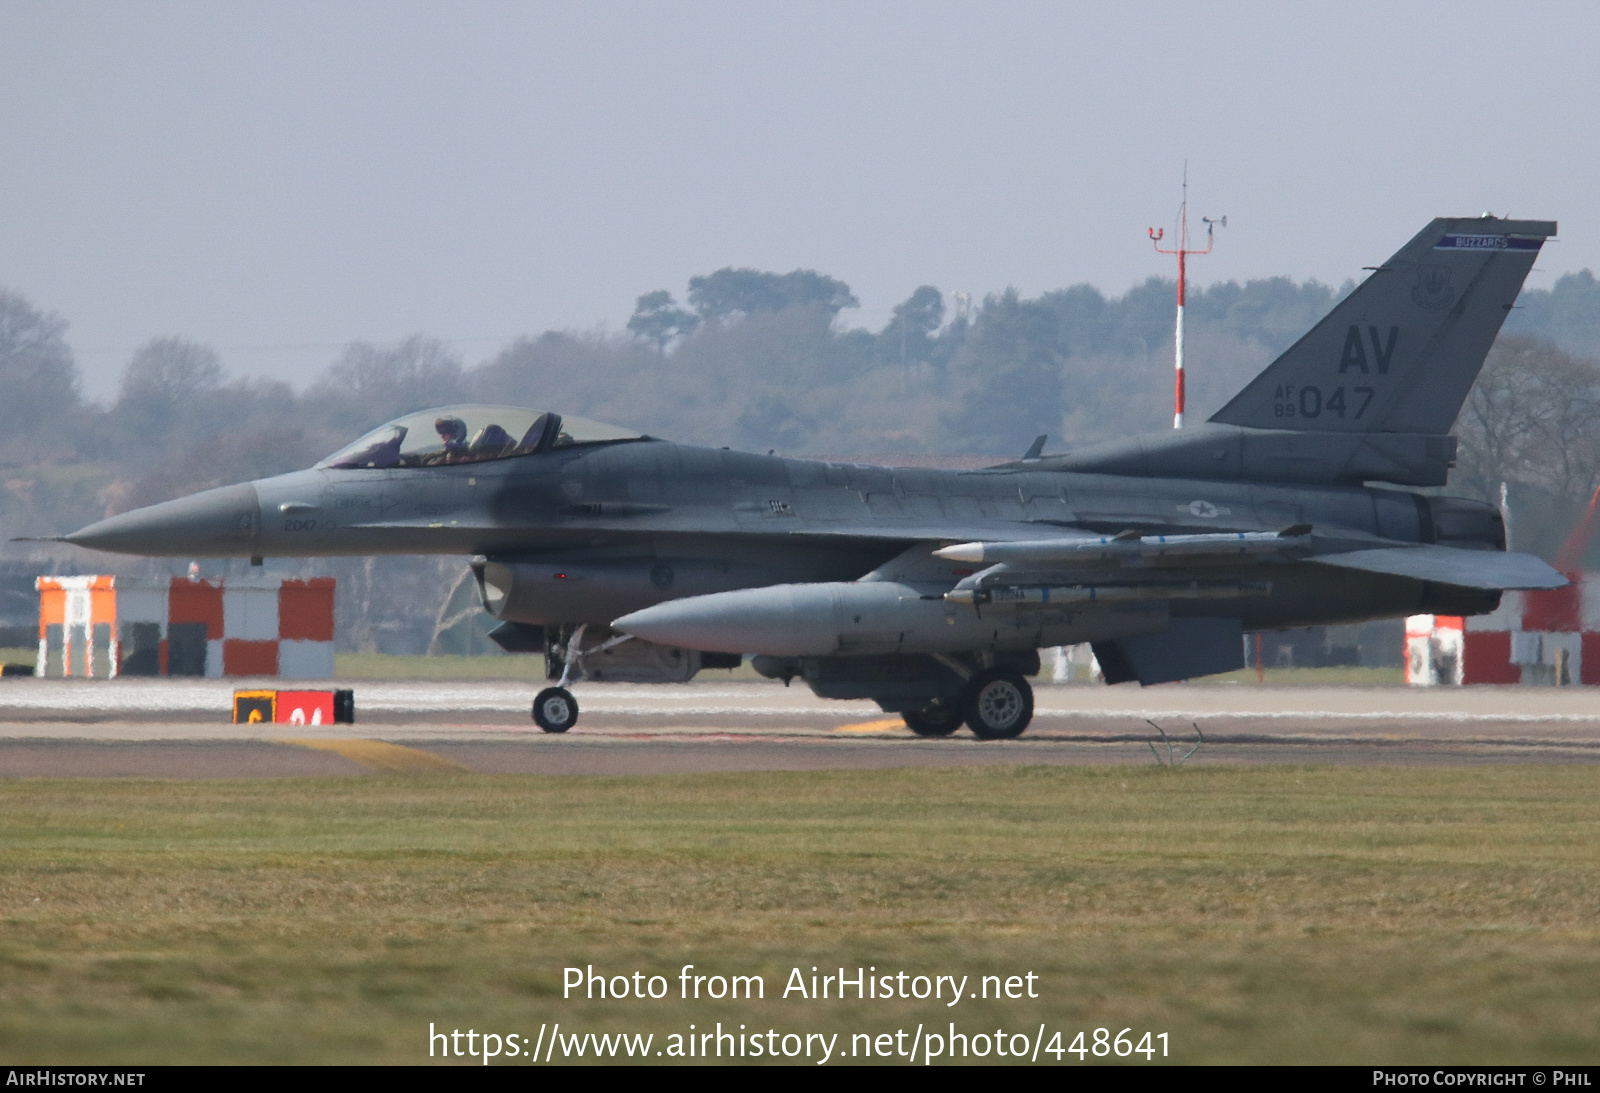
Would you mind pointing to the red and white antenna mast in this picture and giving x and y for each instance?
(1182, 251)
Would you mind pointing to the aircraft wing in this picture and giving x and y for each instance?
(1488, 569)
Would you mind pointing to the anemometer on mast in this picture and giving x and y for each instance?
(1183, 251)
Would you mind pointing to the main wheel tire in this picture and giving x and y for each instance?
(938, 719)
(555, 710)
(998, 704)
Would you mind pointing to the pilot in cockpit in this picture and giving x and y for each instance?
(453, 431)
(469, 434)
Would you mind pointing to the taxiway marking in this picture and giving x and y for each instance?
(872, 726)
(387, 758)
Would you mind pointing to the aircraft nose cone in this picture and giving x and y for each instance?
(217, 523)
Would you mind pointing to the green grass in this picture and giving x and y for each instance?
(19, 656)
(1284, 677)
(382, 666)
(372, 666)
(1255, 914)
(1314, 677)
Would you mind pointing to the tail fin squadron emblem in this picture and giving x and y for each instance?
(1433, 290)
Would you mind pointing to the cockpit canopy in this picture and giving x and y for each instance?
(470, 434)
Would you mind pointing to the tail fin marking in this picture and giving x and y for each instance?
(1400, 353)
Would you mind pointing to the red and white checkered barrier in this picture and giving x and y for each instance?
(103, 626)
(1545, 637)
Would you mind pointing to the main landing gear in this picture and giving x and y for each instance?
(996, 704)
(938, 719)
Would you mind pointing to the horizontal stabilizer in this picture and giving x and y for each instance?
(1487, 569)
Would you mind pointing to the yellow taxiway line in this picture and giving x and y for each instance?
(387, 758)
(872, 726)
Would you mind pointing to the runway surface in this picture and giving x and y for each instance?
(180, 729)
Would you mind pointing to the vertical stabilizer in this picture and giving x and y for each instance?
(1400, 353)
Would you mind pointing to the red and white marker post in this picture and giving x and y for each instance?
(1182, 251)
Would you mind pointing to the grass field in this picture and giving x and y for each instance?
(1357, 915)
(1311, 677)
(379, 666)
(359, 666)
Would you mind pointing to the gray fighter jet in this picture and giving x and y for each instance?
(624, 557)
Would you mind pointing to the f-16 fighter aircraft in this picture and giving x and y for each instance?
(625, 557)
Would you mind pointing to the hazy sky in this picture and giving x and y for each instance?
(278, 178)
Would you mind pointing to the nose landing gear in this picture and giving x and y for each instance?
(555, 710)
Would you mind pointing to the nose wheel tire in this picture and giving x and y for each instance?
(939, 719)
(998, 704)
(555, 710)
